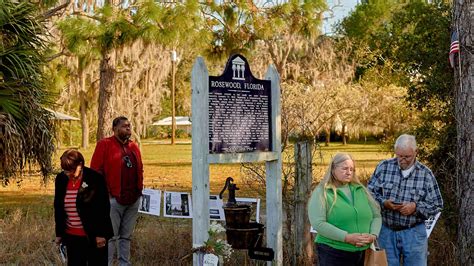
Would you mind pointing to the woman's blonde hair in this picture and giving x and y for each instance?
(330, 181)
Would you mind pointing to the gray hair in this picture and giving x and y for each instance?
(329, 178)
(405, 141)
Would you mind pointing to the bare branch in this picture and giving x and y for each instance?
(53, 11)
(84, 14)
(54, 56)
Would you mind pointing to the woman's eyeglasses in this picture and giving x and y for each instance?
(128, 162)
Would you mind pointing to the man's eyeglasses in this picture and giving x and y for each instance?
(128, 162)
(405, 157)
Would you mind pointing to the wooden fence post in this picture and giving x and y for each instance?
(303, 179)
(273, 175)
(200, 146)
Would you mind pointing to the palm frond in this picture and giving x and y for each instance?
(26, 129)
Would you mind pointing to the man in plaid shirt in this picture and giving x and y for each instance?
(408, 195)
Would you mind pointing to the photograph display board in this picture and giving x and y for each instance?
(239, 110)
(177, 205)
(430, 223)
(150, 202)
(216, 212)
(255, 203)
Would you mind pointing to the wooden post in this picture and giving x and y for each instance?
(173, 97)
(304, 177)
(200, 152)
(201, 158)
(273, 174)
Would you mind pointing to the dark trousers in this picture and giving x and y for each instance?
(328, 256)
(81, 251)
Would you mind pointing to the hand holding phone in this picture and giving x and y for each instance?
(408, 208)
(394, 206)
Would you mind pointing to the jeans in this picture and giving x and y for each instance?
(328, 256)
(410, 245)
(123, 219)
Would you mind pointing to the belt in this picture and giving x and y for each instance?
(402, 227)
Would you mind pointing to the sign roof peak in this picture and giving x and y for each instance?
(238, 59)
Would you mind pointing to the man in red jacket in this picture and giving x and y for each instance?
(119, 160)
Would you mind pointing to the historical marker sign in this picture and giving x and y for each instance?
(236, 119)
(239, 110)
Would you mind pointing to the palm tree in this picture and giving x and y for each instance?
(113, 28)
(26, 129)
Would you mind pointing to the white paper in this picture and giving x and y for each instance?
(210, 260)
(150, 202)
(430, 223)
(216, 212)
(177, 205)
(256, 206)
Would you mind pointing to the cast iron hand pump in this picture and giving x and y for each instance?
(232, 188)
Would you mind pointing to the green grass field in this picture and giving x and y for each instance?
(168, 167)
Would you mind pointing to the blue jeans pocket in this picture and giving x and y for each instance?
(420, 233)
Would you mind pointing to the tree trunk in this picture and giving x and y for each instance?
(147, 86)
(106, 89)
(464, 84)
(303, 179)
(83, 109)
(84, 120)
(344, 133)
(327, 132)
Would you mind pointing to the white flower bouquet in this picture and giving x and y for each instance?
(216, 244)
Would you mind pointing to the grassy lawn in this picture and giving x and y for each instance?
(169, 167)
(26, 213)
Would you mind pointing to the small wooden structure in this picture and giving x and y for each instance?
(182, 122)
(59, 118)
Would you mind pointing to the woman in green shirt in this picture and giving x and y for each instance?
(344, 214)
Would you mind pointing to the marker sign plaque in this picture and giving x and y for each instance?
(239, 110)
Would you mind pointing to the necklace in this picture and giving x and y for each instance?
(75, 179)
(74, 182)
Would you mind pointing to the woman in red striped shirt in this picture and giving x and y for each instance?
(82, 211)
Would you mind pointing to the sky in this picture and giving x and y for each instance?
(340, 8)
